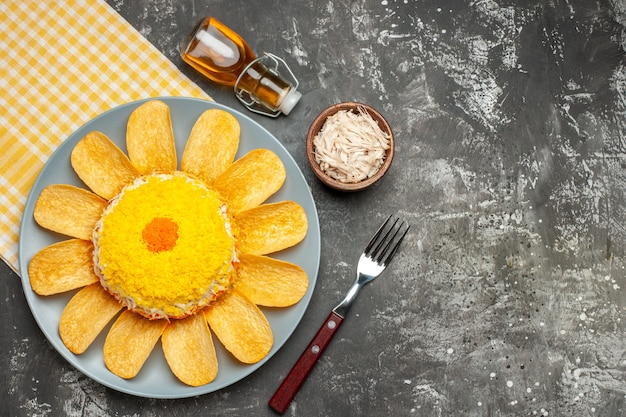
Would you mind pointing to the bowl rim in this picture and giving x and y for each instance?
(317, 124)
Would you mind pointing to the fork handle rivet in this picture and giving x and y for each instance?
(315, 349)
(332, 324)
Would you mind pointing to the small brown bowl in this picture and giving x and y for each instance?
(316, 126)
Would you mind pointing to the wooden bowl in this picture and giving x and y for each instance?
(316, 126)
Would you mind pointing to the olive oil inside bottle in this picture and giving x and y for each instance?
(221, 55)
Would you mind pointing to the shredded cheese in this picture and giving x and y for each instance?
(350, 147)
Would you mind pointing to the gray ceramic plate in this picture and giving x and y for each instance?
(155, 380)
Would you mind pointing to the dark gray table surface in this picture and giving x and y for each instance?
(508, 296)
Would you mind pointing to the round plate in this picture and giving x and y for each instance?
(155, 380)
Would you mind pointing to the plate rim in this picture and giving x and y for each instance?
(32, 298)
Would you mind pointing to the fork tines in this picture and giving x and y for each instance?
(384, 244)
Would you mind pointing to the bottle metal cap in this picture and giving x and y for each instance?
(290, 101)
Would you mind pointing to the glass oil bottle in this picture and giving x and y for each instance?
(221, 55)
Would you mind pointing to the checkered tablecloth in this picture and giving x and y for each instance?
(61, 64)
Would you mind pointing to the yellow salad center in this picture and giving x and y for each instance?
(164, 246)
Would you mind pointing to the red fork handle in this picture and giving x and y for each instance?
(298, 374)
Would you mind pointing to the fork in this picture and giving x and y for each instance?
(373, 261)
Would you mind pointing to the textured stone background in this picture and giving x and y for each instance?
(507, 298)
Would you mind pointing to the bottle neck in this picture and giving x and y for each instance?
(264, 86)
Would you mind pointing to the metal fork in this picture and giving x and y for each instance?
(373, 261)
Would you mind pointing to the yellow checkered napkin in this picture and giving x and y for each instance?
(61, 64)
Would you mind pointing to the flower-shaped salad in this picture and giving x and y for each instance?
(169, 254)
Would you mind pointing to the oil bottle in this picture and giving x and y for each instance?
(221, 55)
